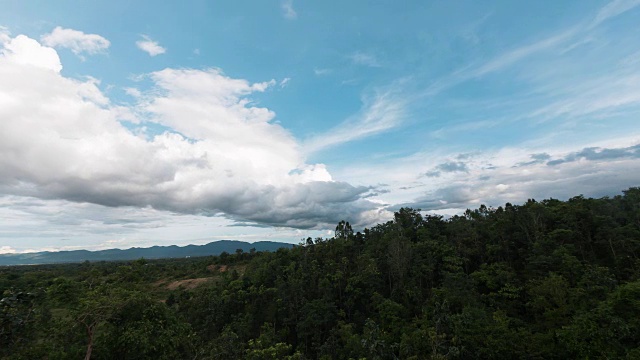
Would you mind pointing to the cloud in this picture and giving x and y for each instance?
(500, 62)
(595, 153)
(383, 110)
(59, 218)
(534, 159)
(613, 9)
(7, 250)
(149, 46)
(220, 154)
(32, 224)
(321, 72)
(611, 92)
(24, 51)
(607, 172)
(284, 82)
(604, 180)
(5, 35)
(133, 92)
(509, 58)
(365, 59)
(287, 10)
(447, 167)
(77, 41)
(518, 54)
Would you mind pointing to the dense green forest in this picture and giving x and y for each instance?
(544, 280)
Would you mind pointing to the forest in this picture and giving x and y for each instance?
(546, 279)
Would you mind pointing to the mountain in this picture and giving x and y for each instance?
(155, 252)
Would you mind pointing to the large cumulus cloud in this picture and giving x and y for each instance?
(62, 138)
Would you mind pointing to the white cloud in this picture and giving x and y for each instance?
(382, 111)
(557, 42)
(133, 92)
(608, 93)
(77, 41)
(321, 72)
(507, 174)
(287, 9)
(5, 35)
(23, 50)
(500, 62)
(149, 46)
(365, 59)
(495, 187)
(284, 82)
(613, 9)
(7, 250)
(509, 58)
(62, 139)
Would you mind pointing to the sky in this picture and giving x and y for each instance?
(140, 123)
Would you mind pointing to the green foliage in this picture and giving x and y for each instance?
(140, 327)
(16, 319)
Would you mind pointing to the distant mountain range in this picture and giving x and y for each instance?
(155, 252)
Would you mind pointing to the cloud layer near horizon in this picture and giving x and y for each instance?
(63, 138)
(500, 178)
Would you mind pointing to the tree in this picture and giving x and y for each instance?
(343, 230)
(16, 319)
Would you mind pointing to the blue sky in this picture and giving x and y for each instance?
(143, 123)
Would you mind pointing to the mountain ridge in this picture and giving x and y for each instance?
(153, 252)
